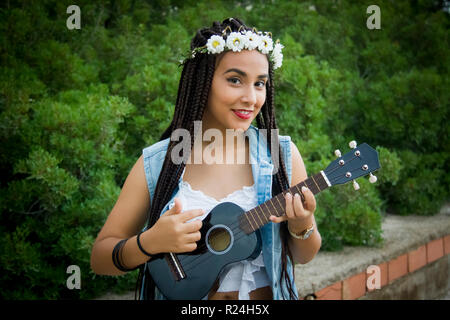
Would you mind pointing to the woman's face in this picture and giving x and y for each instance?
(238, 90)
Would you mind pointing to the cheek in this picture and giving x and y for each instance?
(222, 94)
(261, 100)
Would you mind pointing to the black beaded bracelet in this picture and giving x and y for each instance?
(140, 246)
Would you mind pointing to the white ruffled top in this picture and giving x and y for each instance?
(243, 276)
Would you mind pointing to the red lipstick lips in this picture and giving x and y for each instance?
(243, 113)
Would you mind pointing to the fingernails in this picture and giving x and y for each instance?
(297, 195)
(304, 189)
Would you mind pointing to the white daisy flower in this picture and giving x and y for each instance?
(277, 48)
(252, 40)
(249, 40)
(215, 44)
(265, 45)
(235, 41)
(277, 60)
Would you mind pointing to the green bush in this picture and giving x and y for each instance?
(62, 189)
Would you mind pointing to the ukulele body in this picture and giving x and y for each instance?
(222, 242)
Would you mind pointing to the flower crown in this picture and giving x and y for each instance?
(244, 40)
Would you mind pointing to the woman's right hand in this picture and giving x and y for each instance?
(171, 232)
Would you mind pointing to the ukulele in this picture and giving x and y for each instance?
(230, 234)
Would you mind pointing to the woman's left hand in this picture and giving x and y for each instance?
(299, 215)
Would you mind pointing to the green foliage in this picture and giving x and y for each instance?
(78, 106)
(346, 217)
(421, 190)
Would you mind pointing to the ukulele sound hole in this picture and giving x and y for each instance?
(219, 239)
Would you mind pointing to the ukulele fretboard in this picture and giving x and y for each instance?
(255, 218)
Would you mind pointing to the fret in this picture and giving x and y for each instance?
(281, 205)
(246, 215)
(254, 219)
(314, 183)
(299, 191)
(309, 184)
(262, 221)
(268, 211)
(260, 207)
(274, 209)
(244, 224)
(321, 181)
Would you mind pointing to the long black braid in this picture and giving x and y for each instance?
(193, 90)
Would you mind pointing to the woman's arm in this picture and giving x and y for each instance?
(300, 216)
(126, 219)
(303, 251)
(170, 233)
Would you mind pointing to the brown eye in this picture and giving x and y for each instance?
(232, 80)
(262, 84)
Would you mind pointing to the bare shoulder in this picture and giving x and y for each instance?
(298, 167)
(136, 177)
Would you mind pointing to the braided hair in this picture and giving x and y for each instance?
(193, 90)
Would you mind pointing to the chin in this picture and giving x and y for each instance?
(240, 126)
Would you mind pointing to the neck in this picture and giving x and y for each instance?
(257, 217)
(220, 146)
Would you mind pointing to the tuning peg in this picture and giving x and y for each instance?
(372, 178)
(337, 153)
(352, 144)
(355, 185)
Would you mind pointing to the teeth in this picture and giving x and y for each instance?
(244, 112)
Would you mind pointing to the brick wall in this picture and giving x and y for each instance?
(355, 286)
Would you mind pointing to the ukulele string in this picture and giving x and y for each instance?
(342, 175)
(234, 226)
(235, 229)
(339, 166)
(190, 262)
(207, 256)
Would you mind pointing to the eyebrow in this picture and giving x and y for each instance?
(242, 73)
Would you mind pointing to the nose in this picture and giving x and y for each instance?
(249, 96)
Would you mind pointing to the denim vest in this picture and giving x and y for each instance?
(262, 169)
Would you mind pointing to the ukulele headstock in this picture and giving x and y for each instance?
(361, 161)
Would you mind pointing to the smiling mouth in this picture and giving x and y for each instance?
(243, 113)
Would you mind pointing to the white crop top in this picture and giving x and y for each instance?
(243, 276)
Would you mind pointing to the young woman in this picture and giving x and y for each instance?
(226, 83)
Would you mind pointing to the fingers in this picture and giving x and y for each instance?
(298, 205)
(177, 208)
(190, 240)
(290, 213)
(276, 219)
(289, 210)
(295, 207)
(191, 214)
(192, 226)
(193, 237)
(310, 200)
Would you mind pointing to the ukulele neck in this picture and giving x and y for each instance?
(257, 217)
